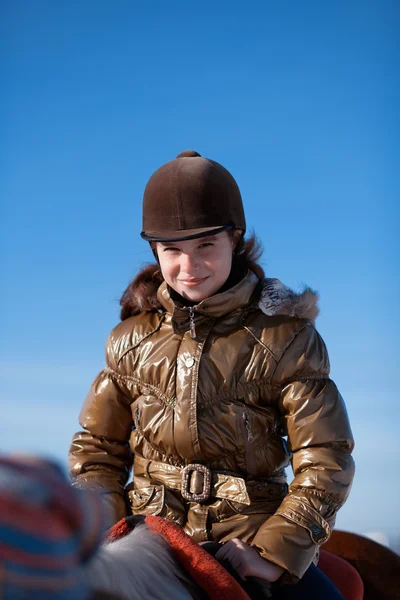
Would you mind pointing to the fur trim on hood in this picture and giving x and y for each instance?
(276, 298)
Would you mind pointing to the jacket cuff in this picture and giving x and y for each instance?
(291, 537)
(296, 510)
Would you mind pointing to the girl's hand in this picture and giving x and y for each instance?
(247, 562)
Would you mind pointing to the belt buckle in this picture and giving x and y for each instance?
(185, 484)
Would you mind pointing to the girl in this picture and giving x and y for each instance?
(216, 381)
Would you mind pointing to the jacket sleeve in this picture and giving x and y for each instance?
(320, 439)
(99, 456)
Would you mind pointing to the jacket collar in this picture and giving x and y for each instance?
(235, 298)
(275, 299)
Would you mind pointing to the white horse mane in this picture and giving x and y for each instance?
(139, 566)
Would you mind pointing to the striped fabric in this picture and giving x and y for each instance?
(48, 530)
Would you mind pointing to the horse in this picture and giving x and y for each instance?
(137, 566)
(157, 560)
(153, 558)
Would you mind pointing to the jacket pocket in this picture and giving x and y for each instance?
(148, 501)
(156, 500)
(248, 440)
(136, 418)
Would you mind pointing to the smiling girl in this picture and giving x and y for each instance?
(216, 381)
(197, 268)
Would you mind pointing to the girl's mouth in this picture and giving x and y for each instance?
(192, 282)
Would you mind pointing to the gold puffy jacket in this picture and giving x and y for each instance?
(210, 422)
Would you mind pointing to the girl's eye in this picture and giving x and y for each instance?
(206, 244)
(170, 248)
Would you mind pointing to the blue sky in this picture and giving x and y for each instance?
(300, 102)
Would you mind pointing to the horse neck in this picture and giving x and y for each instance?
(140, 565)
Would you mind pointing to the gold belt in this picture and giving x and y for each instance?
(197, 482)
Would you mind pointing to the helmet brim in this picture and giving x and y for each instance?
(184, 234)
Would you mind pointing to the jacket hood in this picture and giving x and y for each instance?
(148, 292)
(276, 299)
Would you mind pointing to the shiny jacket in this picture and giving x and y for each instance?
(212, 403)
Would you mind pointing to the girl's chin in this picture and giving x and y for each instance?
(193, 295)
(196, 294)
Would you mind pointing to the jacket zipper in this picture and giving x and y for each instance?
(249, 439)
(192, 326)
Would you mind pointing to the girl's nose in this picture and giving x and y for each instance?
(189, 263)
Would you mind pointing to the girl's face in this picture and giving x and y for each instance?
(196, 269)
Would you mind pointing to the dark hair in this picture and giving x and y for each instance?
(141, 293)
(248, 252)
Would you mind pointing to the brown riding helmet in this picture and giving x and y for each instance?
(190, 197)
